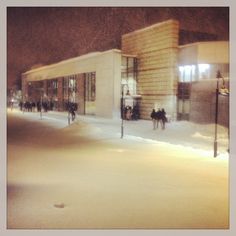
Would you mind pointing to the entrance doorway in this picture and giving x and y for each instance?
(90, 93)
(183, 101)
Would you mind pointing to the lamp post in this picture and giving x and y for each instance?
(218, 76)
(122, 107)
(68, 106)
(41, 90)
(224, 91)
(41, 102)
(25, 98)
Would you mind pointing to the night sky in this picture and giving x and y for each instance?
(44, 35)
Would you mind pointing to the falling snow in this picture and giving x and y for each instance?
(45, 35)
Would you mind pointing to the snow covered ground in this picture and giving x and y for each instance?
(84, 176)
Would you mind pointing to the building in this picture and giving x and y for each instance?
(151, 69)
(92, 81)
(198, 65)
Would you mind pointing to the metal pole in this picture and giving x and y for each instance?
(41, 105)
(122, 112)
(216, 117)
(68, 103)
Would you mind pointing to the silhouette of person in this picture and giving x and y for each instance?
(163, 118)
(153, 117)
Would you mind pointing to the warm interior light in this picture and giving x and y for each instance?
(203, 67)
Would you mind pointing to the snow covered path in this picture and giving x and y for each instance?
(77, 177)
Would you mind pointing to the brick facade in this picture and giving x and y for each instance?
(156, 48)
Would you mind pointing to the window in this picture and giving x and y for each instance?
(90, 86)
(204, 71)
(129, 74)
(52, 86)
(187, 73)
(69, 87)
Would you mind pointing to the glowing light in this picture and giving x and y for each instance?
(203, 67)
(187, 73)
(181, 69)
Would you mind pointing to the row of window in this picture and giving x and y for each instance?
(69, 84)
(187, 73)
(191, 73)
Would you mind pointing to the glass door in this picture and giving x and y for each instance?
(90, 93)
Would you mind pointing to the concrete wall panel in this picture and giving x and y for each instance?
(202, 103)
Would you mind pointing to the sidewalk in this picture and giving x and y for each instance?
(177, 132)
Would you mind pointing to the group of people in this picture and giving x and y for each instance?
(157, 117)
(131, 113)
(31, 106)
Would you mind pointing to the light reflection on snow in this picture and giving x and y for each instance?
(181, 148)
(222, 138)
(116, 150)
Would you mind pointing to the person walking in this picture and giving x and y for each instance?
(163, 118)
(72, 110)
(158, 117)
(21, 105)
(38, 106)
(33, 106)
(153, 117)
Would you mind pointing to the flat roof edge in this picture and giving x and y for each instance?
(150, 27)
(85, 56)
(202, 42)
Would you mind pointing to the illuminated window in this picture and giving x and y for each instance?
(187, 73)
(129, 74)
(204, 71)
(69, 87)
(52, 87)
(90, 85)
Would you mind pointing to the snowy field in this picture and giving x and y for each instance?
(83, 177)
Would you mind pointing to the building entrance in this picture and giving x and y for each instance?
(90, 93)
(183, 101)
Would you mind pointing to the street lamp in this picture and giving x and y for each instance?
(68, 106)
(223, 91)
(41, 102)
(122, 107)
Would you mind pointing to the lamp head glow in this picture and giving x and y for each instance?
(124, 82)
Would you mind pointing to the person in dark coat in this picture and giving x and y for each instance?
(33, 106)
(158, 116)
(153, 117)
(72, 110)
(39, 106)
(135, 113)
(45, 106)
(163, 118)
(21, 105)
